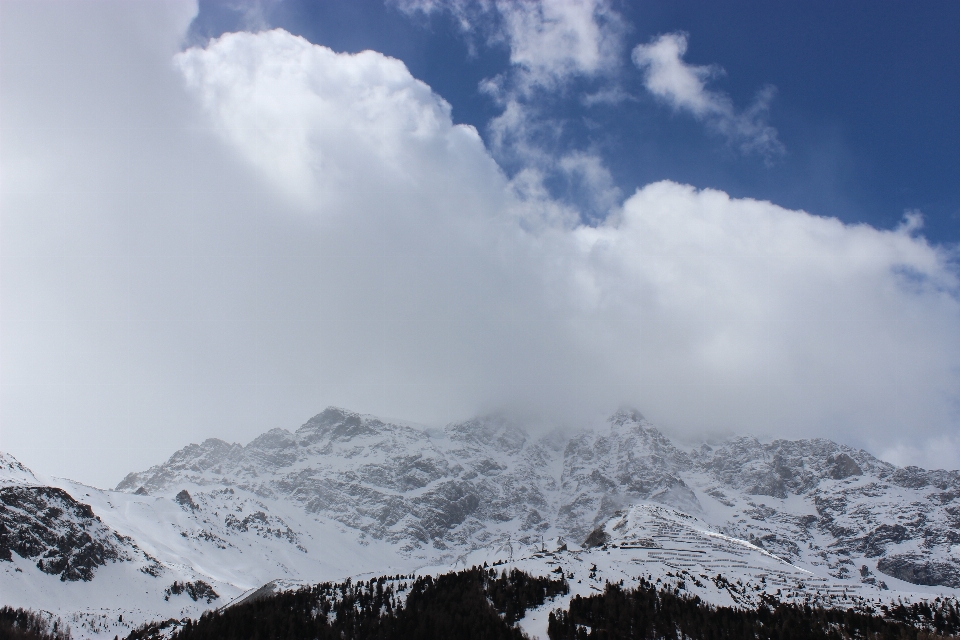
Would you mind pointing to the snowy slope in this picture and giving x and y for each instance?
(348, 494)
(215, 547)
(14, 474)
(677, 551)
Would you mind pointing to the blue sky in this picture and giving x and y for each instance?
(737, 218)
(866, 103)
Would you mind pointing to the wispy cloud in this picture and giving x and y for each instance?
(556, 40)
(550, 41)
(683, 86)
(611, 96)
(552, 44)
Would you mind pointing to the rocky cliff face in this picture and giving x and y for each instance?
(64, 536)
(389, 481)
(487, 481)
(840, 508)
(61, 535)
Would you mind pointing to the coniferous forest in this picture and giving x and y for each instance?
(477, 604)
(646, 612)
(21, 624)
(480, 604)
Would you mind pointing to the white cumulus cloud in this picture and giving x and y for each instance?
(705, 310)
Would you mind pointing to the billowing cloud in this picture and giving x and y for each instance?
(683, 86)
(740, 314)
(230, 241)
(314, 121)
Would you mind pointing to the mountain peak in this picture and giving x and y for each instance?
(627, 415)
(329, 417)
(334, 423)
(14, 473)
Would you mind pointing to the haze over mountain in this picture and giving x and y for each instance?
(211, 237)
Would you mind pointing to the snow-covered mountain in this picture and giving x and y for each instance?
(347, 494)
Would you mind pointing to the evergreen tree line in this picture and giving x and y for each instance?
(648, 613)
(479, 604)
(942, 615)
(476, 604)
(22, 624)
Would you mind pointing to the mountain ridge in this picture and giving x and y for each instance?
(488, 471)
(348, 494)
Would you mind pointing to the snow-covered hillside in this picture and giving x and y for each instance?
(349, 494)
(679, 552)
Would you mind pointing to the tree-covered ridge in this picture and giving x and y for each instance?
(649, 613)
(22, 624)
(476, 604)
(480, 604)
